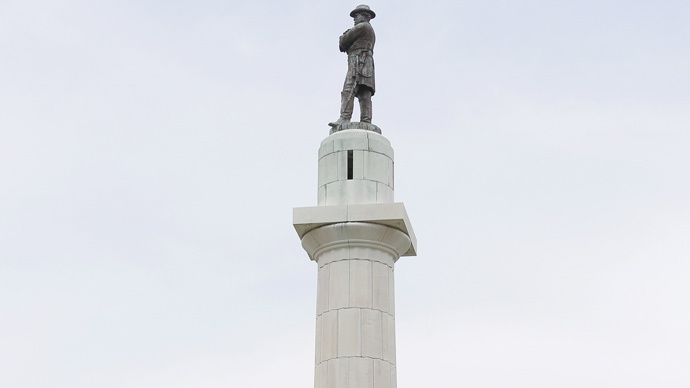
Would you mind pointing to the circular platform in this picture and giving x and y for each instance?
(355, 125)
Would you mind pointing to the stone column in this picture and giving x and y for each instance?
(355, 235)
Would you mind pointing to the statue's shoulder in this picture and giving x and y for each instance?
(368, 28)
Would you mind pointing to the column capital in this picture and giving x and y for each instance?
(354, 222)
(349, 236)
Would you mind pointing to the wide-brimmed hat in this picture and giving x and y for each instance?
(363, 8)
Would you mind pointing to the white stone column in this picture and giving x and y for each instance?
(355, 235)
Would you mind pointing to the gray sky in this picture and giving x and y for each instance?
(151, 153)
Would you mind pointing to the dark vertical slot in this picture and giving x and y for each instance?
(349, 164)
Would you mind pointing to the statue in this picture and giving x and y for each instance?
(358, 43)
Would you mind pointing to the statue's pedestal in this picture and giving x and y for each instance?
(355, 235)
(355, 167)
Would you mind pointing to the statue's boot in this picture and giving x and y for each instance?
(365, 106)
(347, 104)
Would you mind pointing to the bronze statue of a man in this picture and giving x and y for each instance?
(358, 43)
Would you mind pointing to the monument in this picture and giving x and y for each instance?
(355, 235)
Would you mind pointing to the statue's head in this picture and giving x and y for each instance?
(363, 13)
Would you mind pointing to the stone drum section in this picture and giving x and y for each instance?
(355, 167)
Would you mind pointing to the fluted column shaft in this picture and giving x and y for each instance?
(355, 323)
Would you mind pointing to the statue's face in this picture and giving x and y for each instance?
(361, 17)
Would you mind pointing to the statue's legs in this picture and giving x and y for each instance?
(364, 97)
(347, 97)
(347, 103)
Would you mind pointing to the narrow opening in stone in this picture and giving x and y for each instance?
(349, 164)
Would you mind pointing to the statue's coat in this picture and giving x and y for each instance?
(358, 42)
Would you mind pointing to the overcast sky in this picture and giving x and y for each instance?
(151, 153)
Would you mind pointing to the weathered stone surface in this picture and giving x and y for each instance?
(355, 167)
(355, 326)
(306, 219)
